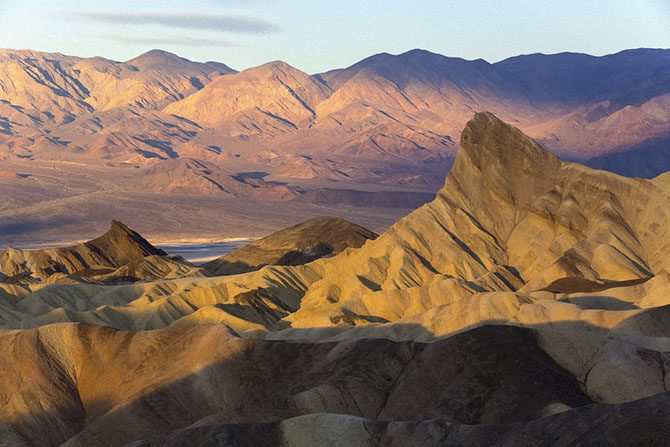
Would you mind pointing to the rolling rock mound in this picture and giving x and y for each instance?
(296, 245)
(120, 254)
(527, 304)
(106, 383)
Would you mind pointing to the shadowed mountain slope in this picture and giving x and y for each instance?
(647, 160)
(574, 79)
(601, 105)
(299, 244)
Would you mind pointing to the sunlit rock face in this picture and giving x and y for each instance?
(527, 302)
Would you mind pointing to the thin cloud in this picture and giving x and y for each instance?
(180, 41)
(192, 21)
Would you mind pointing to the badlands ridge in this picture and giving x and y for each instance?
(526, 305)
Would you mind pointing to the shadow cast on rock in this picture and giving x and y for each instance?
(490, 374)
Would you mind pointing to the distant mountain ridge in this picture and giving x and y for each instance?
(387, 109)
(576, 78)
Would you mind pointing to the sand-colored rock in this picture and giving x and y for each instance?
(497, 313)
(120, 254)
(94, 385)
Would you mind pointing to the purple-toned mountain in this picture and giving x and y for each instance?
(386, 110)
(598, 105)
(73, 128)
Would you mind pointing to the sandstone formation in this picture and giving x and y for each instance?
(121, 253)
(527, 304)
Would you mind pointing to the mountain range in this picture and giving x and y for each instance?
(527, 304)
(389, 124)
(410, 105)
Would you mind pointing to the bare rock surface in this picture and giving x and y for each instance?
(526, 304)
(299, 244)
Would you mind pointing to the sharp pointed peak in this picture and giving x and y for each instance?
(119, 226)
(121, 238)
(498, 159)
(486, 137)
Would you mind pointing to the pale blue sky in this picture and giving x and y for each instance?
(316, 35)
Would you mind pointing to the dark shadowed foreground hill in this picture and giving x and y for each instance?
(299, 244)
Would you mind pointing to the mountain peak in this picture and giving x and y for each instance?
(419, 66)
(275, 93)
(158, 60)
(119, 227)
(276, 66)
(497, 163)
(487, 141)
(122, 245)
(273, 69)
(156, 54)
(412, 60)
(419, 51)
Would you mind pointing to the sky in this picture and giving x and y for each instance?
(318, 35)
